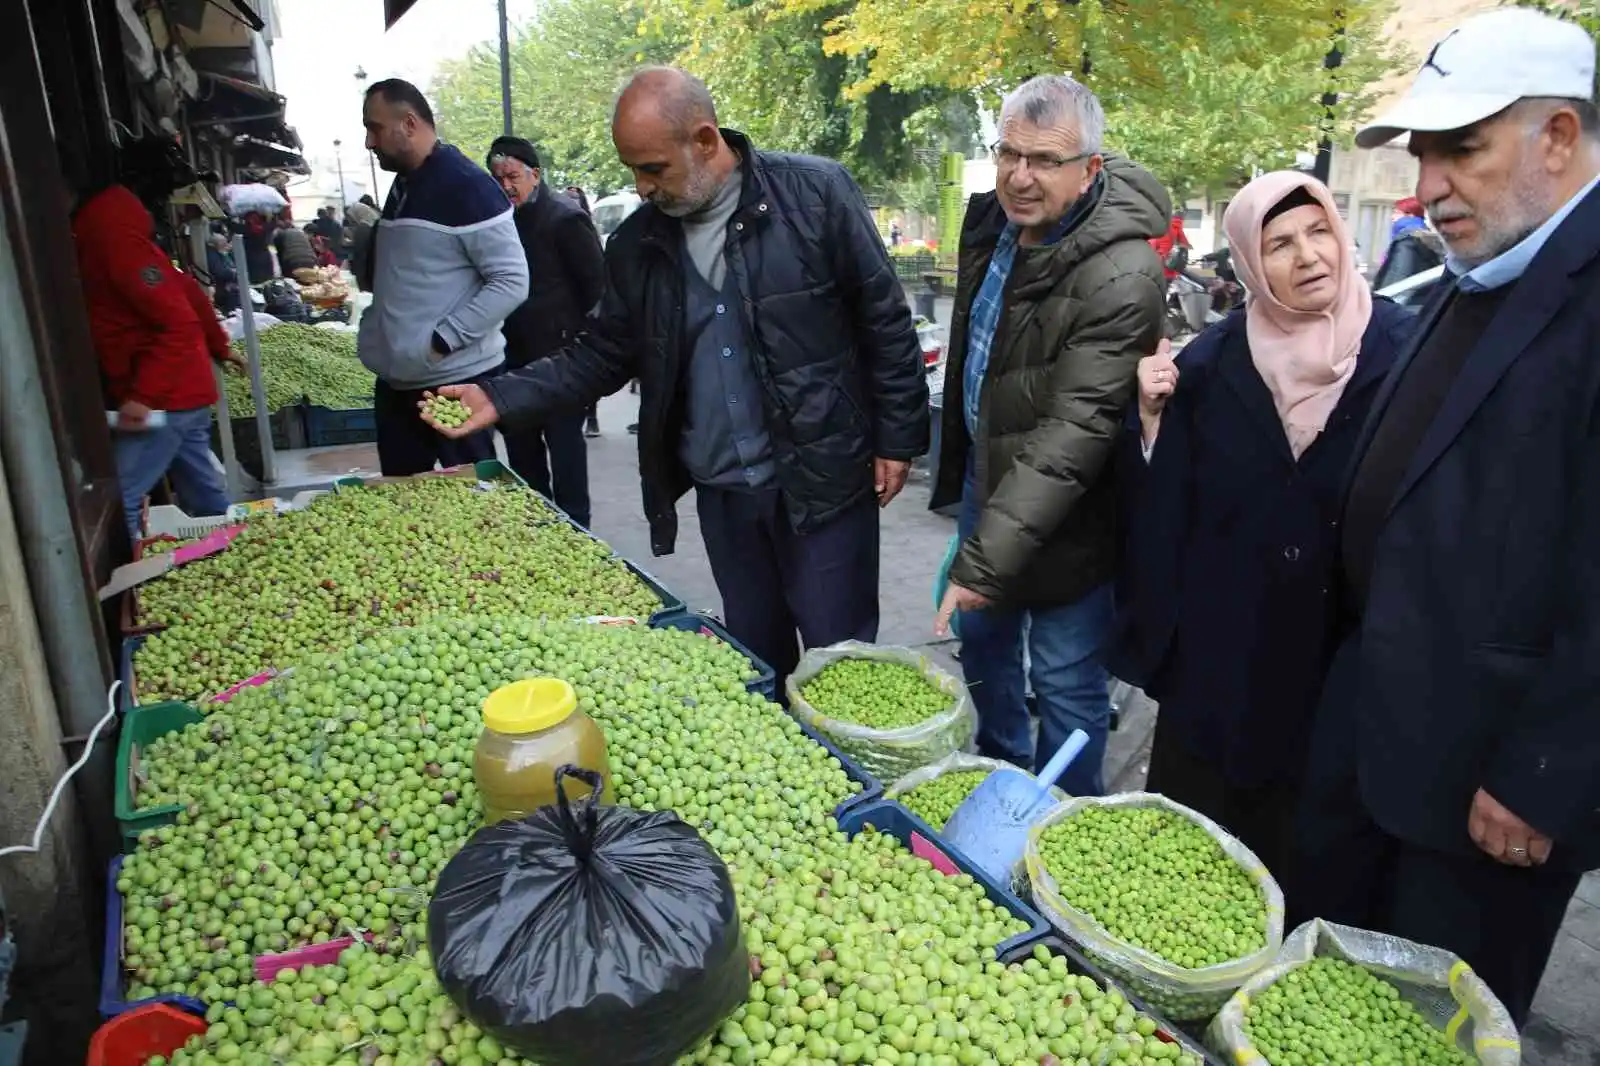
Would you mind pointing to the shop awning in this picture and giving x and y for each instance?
(393, 9)
(241, 106)
(249, 151)
(217, 23)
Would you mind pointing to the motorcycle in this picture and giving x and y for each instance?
(1196, 300)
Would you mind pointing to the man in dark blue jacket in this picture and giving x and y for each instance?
(1454, 792)
(779, 373)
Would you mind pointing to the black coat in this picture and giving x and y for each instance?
(566, 275)
(840, 367)
(1226, 617)
(1477, 661)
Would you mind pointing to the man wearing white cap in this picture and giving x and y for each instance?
(1454, 797)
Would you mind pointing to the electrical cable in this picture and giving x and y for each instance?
(55, 795)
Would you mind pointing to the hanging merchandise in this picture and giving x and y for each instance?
(242, 199)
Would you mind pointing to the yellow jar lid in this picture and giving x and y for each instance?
(529, 705)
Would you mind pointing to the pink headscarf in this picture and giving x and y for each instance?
(1306, 359)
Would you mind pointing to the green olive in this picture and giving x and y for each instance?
(1330, 1010)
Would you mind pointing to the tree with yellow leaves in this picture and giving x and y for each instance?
(1202, 92)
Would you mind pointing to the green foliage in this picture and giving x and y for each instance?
(1200, 92)
(767, 67)
(567, 63)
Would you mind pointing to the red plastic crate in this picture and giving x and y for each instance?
(130, 1039)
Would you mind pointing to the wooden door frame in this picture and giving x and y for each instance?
(54, 84)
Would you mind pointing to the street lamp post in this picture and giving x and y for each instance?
(1330, 99)
(338, 162)
(361, 80)
(505, 69)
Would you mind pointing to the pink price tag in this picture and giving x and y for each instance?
(268, 966)
(923, 849)
(210, 545)
(250, 682)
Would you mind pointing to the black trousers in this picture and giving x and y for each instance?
(554, 459)
(1502, 920)
(1262, 816)
(407, 445)
(776, 581)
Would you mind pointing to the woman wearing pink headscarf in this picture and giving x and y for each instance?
(1239, 454)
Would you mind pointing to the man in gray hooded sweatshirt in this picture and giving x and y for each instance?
(444, 268)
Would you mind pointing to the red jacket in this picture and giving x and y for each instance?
(1173, 238)
(153, 325)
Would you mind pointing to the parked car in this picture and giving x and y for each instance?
(609, 212)
(1412, 268)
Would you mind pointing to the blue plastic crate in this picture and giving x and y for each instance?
(670, 604)
(766, 680)
(127, 697)
(1079, 963)
(871, 787)
(330, 425)
(113, 983)
(889, 817)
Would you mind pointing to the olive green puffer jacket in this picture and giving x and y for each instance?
(1078, 316)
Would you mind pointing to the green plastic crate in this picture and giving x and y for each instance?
(140, 726)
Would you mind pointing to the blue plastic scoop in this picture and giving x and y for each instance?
(991, 825)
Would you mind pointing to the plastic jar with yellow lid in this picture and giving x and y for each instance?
(530, 728)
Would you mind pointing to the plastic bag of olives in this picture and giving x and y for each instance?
(1158, 894)
(890, 709)
(587, 934)
(1378, 992)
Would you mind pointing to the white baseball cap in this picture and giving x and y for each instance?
(1485, 65)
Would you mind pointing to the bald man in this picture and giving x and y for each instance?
(779, 373)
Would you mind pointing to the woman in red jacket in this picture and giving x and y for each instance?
(1173, 238)
(157, 337)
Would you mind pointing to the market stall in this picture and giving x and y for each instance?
(327, 698)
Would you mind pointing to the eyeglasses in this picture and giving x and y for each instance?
(1007, 158)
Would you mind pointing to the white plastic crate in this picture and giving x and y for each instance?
(168, 520)
(165, 520)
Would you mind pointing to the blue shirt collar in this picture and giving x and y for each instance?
(1510, 265)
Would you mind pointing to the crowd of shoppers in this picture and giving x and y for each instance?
(1349, 550)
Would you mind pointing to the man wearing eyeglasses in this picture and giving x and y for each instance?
(1059, 293)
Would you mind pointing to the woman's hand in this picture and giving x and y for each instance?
(1158, 380)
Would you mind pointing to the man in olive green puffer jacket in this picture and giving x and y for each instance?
(1058, 296)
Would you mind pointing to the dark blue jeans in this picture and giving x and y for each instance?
(1070, 685)
(180, 450)
(776, 581)
(554, 459)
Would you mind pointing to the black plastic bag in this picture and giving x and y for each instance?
(590, 935)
